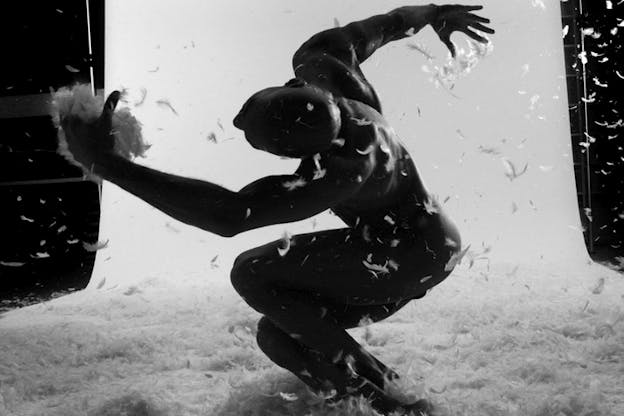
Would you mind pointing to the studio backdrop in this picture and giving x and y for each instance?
(490, 135)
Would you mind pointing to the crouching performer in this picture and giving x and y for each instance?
(397, 242)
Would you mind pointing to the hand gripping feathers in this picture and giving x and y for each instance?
(77, 103)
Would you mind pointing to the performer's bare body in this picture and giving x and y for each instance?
(398, 240)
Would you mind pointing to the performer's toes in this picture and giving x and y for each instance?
(421, 407)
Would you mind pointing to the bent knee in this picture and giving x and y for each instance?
(266, 330)
(249, 277)
(265, 325)
(241, 271)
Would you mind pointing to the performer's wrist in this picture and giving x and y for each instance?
(103, 163)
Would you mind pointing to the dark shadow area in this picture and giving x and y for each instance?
(50, 215)
(593, 51)
(47, 229)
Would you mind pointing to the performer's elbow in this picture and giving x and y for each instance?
(225, 229)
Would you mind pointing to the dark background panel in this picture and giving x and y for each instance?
(596, 119)
(49, 213)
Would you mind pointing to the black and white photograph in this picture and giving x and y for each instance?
(312, 208)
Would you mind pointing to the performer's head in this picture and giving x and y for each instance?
(295, 120)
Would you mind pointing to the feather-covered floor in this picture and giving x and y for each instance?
(500, 340)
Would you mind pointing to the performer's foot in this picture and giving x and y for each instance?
(383, 401)
(386, 404)
(421, 407)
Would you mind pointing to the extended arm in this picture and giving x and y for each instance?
(194, 202)
(319, 183)
(316, 186)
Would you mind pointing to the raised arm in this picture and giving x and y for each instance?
(358, 40)
(331, 58)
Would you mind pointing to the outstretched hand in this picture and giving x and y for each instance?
(458, 18)
(89, 141)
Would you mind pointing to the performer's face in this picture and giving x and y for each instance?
(295, 120)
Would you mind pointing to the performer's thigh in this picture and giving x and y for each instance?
(339, 267)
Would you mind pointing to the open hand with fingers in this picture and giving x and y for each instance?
(459, 18)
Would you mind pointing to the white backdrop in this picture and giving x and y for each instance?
(189, 65)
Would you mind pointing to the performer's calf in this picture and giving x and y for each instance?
(302, 318)
(323, 376)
